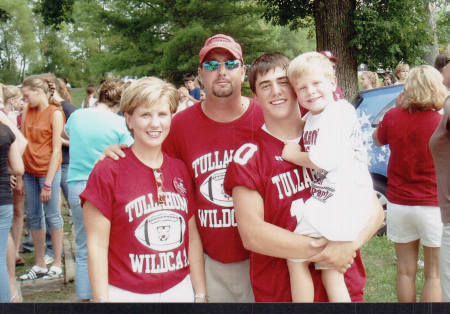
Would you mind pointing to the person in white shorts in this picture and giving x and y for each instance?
(413, 214)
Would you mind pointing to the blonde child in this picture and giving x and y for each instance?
(342, 184)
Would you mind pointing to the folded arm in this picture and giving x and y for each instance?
(265, 238)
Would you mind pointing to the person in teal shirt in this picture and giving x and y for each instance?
(90, 131)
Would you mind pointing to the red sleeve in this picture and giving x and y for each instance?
(243, 170)
(100, 187)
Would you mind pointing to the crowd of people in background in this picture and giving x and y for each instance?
(201, 194)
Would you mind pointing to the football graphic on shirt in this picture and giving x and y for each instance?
(212, 189)
(162, 230)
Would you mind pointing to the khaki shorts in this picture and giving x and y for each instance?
(409, 223)
(228, 282)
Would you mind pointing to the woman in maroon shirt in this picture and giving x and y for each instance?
(413, 214)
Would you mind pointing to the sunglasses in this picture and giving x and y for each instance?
(157, 173)
(214, 65)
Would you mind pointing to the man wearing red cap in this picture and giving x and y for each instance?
(205, 136)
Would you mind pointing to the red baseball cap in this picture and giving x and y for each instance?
(329, 55)
(221, 41)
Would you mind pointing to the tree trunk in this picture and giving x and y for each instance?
(333, 33)
(433, 51)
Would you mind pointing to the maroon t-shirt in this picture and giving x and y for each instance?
(207, 147)
(148, 242)
(258, 166)
(411, 176)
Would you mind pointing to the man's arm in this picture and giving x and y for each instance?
(265, 238)
(339, 254)
(376, 141)
(114, 151)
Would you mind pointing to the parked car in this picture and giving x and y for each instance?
(371, 105)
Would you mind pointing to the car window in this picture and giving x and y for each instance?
(381, 114)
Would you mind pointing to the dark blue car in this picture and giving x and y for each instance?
(371, 105)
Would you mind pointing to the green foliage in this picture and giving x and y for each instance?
(384, 32)
(163, 38)
(443, 26)
(296, 14)
(17, 41)
(55, 12)
(4, 16)
(387, 32)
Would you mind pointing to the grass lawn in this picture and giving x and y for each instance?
(381, 268)
(78, 95)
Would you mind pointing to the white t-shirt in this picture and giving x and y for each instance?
(340, 202)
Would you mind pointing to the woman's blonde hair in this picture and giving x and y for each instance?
(308, 62)
(148, 91)
(424, 89)
(44, 82)
(401, 67)
(10, 91)
(373, 78)
(63, 90)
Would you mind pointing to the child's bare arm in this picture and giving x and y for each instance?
(293, 154)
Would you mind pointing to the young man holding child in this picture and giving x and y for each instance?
(265, 188)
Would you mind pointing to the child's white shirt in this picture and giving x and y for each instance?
(341, 201)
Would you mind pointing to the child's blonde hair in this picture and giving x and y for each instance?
(148, 91)
(310, 62)
(424, 89)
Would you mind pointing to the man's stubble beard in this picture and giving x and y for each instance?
(219, 92)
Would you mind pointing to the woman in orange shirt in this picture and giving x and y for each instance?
(42, 126)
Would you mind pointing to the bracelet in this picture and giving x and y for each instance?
(47, 187)
(200, 295)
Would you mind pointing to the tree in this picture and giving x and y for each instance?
(389, 32)
(55, 12)
(332, 30)
(17, 42)
(163, 38)
(380, 33)
(85, 39)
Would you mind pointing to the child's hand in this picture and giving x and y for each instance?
(290, 150)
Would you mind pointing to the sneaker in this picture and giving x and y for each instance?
(54, 272)
(34, 273)
(48, 259)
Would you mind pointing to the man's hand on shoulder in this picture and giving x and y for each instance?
(113, 151)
